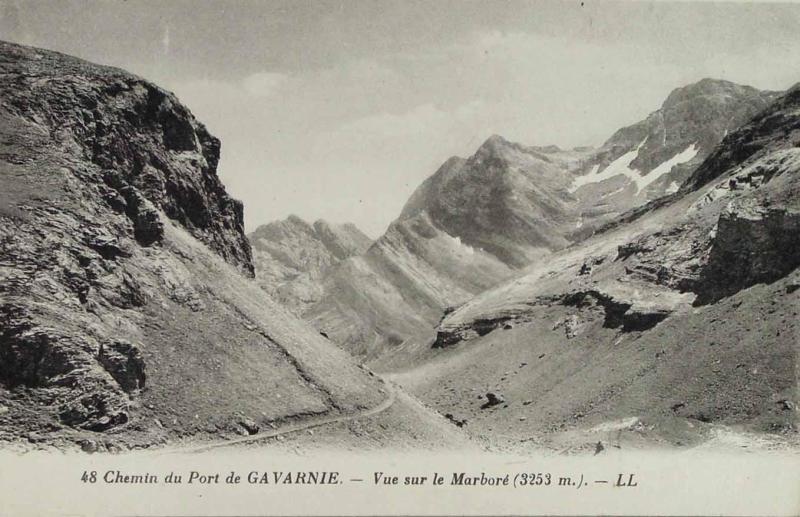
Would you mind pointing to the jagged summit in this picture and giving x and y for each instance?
(292, 257)
(495, 142)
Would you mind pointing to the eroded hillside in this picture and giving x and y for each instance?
(128, 314)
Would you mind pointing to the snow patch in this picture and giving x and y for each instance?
(622, 166)
(619, 166)
(465, 248)
(682, 157)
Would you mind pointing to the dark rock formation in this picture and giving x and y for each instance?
(479, 327)
(116, 235)
(492, 399)
(124, 362)
(148, 150)
(752, 245)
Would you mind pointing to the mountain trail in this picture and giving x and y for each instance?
(293, 427)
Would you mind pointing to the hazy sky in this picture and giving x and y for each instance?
(340, 109)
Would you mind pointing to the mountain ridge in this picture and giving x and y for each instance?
(509, 205)
(293, 257)
(636, 324)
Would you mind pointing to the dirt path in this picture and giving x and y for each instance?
(290, 428)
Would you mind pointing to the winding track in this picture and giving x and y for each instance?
(292, 428)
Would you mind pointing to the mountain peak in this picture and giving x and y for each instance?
(297, 220)
(708, 87)
(494, 143)
(498, 148)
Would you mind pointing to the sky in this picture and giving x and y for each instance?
(339, 110)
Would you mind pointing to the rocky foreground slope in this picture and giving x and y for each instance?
(478, 221)
(128, 313)
(681, 315)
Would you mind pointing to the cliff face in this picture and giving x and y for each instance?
(292, 258)
(128, 315)
(146, 150)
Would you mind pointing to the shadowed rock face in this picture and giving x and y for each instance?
(752, 245)
(128, 313)
(148, 150)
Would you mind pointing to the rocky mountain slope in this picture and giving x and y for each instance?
(479, 220)
(465, 229)
(655, 156)
(128, 313)
(680, 317)
(293, 257)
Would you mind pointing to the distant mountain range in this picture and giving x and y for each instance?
(479, 220)
(293, 257)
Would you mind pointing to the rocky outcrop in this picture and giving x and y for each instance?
(618, 314)
(148, 151)
(128, 315)
(123, 360)
(623, 315)
(477, 328)
(753, 244)
(61, 367)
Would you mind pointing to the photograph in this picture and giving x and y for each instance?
(399, 257)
